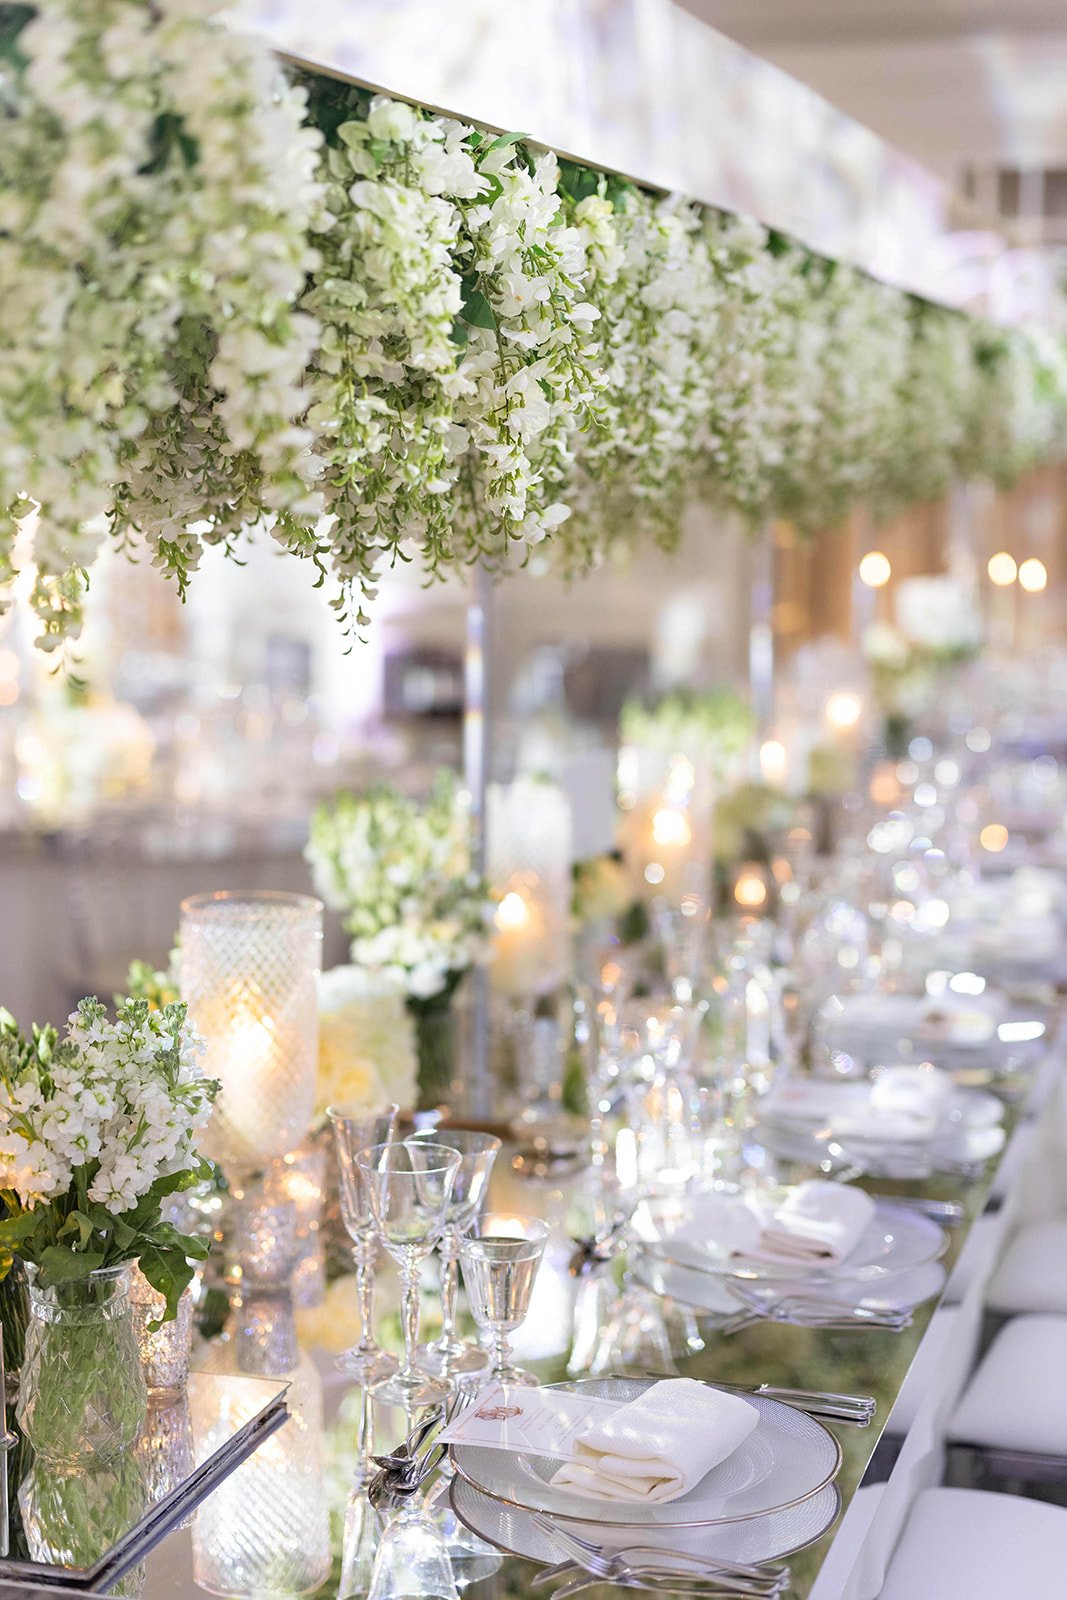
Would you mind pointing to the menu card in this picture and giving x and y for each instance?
(536, 1422)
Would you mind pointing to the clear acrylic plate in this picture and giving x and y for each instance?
(786, 1458)
(769, 1538)
(709, 1293)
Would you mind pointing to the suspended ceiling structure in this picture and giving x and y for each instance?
(647, 88)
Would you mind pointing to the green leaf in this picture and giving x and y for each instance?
(77, 1223)
(60, 1265)
(502, 140)
(476, 308)
(16, 1230)
(169, 1273)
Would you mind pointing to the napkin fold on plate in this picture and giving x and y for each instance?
(819, 1223)
(920, 1093)
(904, 1109)
(659, 1446)
(963, 1018)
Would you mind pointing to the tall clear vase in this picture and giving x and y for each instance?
(82, 1394)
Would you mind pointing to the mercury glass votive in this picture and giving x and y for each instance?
(164, 1351)
(249, 968)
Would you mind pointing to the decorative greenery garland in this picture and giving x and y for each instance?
(449, 345)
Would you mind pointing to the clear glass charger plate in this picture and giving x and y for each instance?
(895, 1238)
(831, 1150)
(709, 1293)
(895, 1027)
(811, 1119)
(787, 1458)
(768, 1538)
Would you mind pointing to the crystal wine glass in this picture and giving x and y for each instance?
(354, 1129)
(409, 1186)
(477, 1152)
(500, 1257)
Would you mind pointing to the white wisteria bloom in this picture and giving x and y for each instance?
(158, 186)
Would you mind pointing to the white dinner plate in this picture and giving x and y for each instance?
(894, 1239)
(769, 1538)
(787, 1458)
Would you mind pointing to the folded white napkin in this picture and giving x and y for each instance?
(819, 1222)
(659, 1446)
(849, 1111)
(964, 1018)
(723, 1223)
(913, 1093)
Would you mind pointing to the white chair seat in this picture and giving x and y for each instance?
(1017, 1396)
(1033, 1273)
(966, 1544)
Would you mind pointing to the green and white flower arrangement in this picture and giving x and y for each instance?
(937, 630)
(157, 187)
(399, 870)
(715, 726)
(233, 301)
(97, 1129)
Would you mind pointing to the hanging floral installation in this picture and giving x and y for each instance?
(233, 301)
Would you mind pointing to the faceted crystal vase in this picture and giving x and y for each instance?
(249, 969)
(82, 1396)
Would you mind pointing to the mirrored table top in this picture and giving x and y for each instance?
(293, 1518)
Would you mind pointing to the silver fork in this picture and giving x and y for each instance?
(611, 1565)
(805, 1312)
(691, 1588)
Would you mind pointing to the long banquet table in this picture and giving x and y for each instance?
(915, 1376)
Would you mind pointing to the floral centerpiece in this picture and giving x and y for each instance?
(676, 758)
(368, 1048)
(937, 630)
(96, 1130)
(714, 725)
(400, 872)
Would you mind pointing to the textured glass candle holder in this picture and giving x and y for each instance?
(249, 965)
(164, 1351)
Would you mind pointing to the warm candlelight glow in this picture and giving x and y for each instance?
(1002, 569)
(671, 829)
(993, 837)
(884, 787)
(750, 890)
(773, 763)
(512, 912)
(1032, 576)
(843, 709)
(875, 570)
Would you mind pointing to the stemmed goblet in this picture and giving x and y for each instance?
(477, 1152)
(354, 1129)
(409, 1185)
(500, 1257)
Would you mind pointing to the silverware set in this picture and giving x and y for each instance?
(646, 1566)
(803, 1312)
(403, 1471)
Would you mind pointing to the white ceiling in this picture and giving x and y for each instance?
(955, 83)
